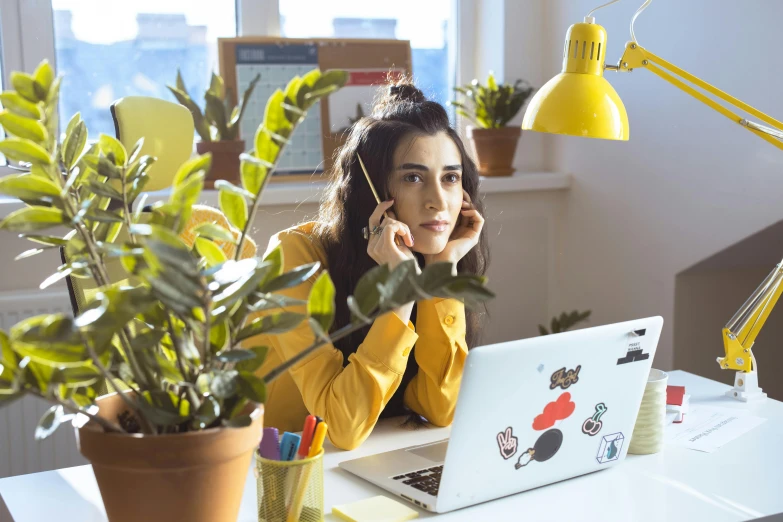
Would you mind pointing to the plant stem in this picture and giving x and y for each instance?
(146, 426)
(336, 336)
(106, 424)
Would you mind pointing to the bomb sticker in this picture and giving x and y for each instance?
(593, 425)
(610, 448)
(544, 449)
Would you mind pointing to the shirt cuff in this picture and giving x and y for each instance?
(390, 341)
(444, 316)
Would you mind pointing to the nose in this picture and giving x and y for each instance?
(435, 198)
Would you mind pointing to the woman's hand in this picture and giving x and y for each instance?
(381, 245)
(464, 236)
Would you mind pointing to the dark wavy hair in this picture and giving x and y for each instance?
(399, 111)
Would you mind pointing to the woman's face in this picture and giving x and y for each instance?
(426, 184)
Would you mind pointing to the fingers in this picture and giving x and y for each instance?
(375, 218)
(395, 228)
(472, 219)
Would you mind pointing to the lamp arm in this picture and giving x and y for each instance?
(740, 332)
(635, 56)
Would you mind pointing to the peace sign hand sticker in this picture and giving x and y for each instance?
(507, 443)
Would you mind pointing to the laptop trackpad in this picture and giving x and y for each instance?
(435, 452)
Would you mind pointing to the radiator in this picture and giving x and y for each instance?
(20, 453)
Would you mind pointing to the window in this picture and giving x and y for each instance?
(424, 22)
(107, 49)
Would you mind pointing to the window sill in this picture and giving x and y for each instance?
(277, 194)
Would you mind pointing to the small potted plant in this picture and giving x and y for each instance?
(490, 109)
(217, 126)
(174, 439)
(565, 322)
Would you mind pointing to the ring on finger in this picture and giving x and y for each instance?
(377, 230)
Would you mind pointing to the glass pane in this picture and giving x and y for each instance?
(107, 49)
(424, 22)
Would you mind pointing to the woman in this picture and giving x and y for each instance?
(418, 163)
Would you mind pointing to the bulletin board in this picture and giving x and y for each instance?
(316, 139)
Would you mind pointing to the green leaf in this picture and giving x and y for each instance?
(29, 253)
(111, 146)
(275, 261)
(291, 278)
(7, 358)
(19, 149)
(366, 294)
(44, 75)
(181, 82)
(234, 207)
(210, 251)
(215, 232)
(217, 87)
(76, 376)
(162, 416)
(50, 340)
(434, 277)
(46, 240)
(23, 127)
(320, 305)
(102, 166)
(73, 146)
(216, 114)
(251, 365)
(223, 384)
(196, 164)
(235, 356)
(27, 186)
(271, 324)
(266, 148)
(218, 336)
(26, 85)
(49, 422)
(274, 302)
(105, 190)
(207, 413)
(17, 104)
(222, 184)
(251, 387)
(542, 330)
(202, 127)
(30, 219)
(103, 216)
(253, 173)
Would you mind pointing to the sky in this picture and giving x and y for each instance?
(107, 21)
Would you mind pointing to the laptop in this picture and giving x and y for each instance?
(530, 412)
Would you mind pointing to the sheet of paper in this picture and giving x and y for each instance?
(707, 429)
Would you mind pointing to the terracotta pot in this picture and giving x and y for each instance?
(225, 160)
(495, 149)
(197, 476)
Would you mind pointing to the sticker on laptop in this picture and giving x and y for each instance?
(564, 378)
(507, 443)
(634, 352)
(592, 425)
(610, 448)
(544, 449)
(555, 411)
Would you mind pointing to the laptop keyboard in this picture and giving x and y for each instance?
(426, 480)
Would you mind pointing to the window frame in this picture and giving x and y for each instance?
(23, 50)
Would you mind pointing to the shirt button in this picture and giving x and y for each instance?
(406, 351)
(449, 320)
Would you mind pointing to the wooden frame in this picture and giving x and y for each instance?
(333, 53)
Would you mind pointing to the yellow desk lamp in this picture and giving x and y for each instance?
(581, 102)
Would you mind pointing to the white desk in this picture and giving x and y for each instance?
(741, 481)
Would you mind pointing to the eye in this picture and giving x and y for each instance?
(412, 178)
(452, 178)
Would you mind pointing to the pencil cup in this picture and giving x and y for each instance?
(648, 431)
(290, 491)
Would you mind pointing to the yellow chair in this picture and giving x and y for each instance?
(168, 133)
(167, 129)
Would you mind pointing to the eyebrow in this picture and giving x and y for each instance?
(424, 168)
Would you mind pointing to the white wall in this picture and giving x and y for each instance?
(689, 182)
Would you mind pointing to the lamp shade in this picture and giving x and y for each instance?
(579, 101)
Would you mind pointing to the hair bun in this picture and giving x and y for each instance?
(398, 93)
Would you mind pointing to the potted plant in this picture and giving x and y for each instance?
(490, 109)
(175, 438)
(565, 322)
(217, 126)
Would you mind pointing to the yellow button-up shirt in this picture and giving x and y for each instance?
(350, 398)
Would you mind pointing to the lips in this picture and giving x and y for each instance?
(436, 226)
